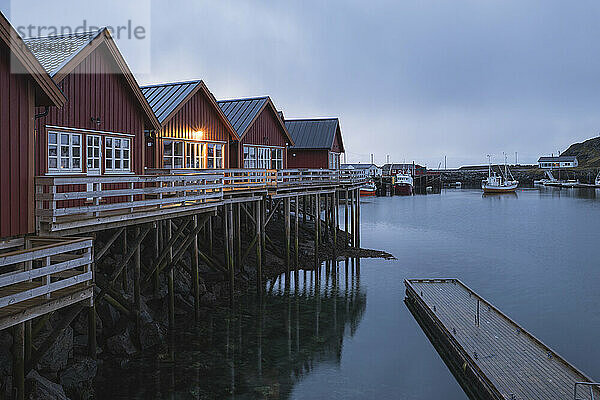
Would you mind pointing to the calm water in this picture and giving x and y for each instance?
(346, 334)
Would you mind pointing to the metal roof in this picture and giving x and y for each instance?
(241, 112)
(165, 97)
(559, 158)
(312, 133)
(53, 52)
(360, 166)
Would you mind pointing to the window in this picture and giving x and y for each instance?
(214, 156)
(334, 160)
(64, 152)
(276, 158)
(94, 153)
(118, 154)
(264, 158)
(249, 157)
(194, 153)
(172, 154)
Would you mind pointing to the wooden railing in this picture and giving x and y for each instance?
(352, 176)
(68, 201)
(49, 269)
(233, 179)
(306, 177)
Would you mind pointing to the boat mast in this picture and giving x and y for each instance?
(489, 165)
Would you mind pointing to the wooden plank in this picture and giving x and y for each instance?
(514, 361)
(24, 255)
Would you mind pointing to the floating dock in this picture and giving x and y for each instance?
(490, 355)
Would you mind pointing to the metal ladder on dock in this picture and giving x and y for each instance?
(590, 385)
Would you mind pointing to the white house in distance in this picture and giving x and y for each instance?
(372, 170)
(558, 162)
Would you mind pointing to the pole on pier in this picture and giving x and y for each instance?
(296, 234)
(19, 360)
(170, 279)
(210, 236)
(263, 229)
(357, 218)
(195, 272)
(346, 218)
(287, 211)
(258, 225)
(136, 284)
(304, 210)
(230, 256)
(157, 248)
(336, 214)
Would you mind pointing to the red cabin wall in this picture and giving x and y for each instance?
(337, 142)
(308, 158)
(197, 114)
(96, 88)
(265, 131)
(16, 149)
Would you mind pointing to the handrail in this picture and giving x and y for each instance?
(591, 386)
(40, 271)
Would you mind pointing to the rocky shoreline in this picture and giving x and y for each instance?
(66, 371)
(525, 176)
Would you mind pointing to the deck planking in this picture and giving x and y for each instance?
(517, 364)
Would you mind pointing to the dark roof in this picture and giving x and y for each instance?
(401, 166)
(47, 91)
(165, 97)
(241, 112)
(312, 133)
(54, 52)
(559, 158)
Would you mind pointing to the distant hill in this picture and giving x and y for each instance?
(587, 153)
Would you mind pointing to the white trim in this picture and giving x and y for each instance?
(89, 130)
(58, 144)
(191, 140)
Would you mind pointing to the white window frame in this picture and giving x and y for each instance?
(214, 161)
(249, 157)
(276, 158)
(173, 157)
(90, 154)
(194, 155)
(70, 157)
(117, 154)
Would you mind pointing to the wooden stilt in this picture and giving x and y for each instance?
(230, 256)
(258, 225)
(92, 348)
(210, 236)
(170, 276)
(352, 219)
(124, 272)
(317, 223)
(336, 218)
(136, 285)
(238, 237)
(18, 352)
(357, 218)
(28, 339)
(304, 210)
(263, 229)
(346, 219)
(296, 234)
(287, 216)
(157, 248)
(195, 273)
(326, 217)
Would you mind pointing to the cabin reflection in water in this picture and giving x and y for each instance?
(262, 347)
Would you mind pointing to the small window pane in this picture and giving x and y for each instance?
(109, 142)
(52, 151)
(117, 143)
(52, 163)
(64, 139)
(64, 151)
(64, 163)
(125, 143)
(76, 163)
(117, 163)
(76, 152)
(76, 139)
(52, 138)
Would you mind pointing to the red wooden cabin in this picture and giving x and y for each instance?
(318, 143)
(100, 131)
(264, 138)
(194, 131)
(24, 84)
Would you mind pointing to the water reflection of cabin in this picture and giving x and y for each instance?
(194, 131)
(100, 130)
(263, 137)
(318, 143)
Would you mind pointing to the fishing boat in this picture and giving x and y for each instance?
(597, 181)
(369, 189)
(499, 183)
(404, 184)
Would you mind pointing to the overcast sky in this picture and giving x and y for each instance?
(418, 80)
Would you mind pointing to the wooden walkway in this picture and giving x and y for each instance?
(515, 363)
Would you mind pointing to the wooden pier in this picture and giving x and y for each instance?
(491, 356)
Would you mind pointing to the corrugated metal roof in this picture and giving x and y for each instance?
(559, 158)
(165, 97)
(53, 52)
(312, 133)
(241, 112)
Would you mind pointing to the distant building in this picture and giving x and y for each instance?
(371, 169)
(558, 162)
(412, 169)
(317, 143)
